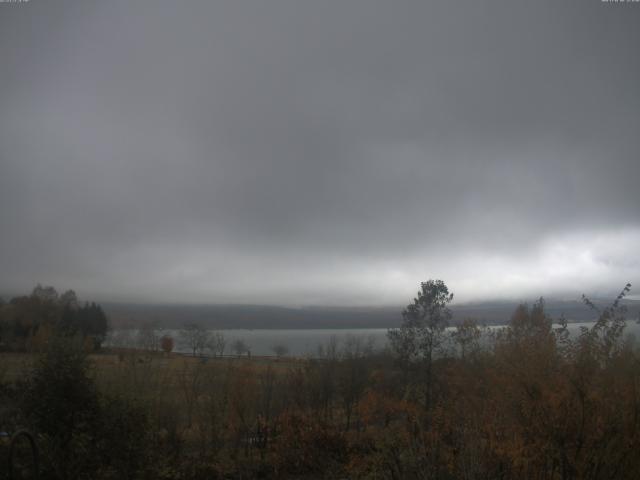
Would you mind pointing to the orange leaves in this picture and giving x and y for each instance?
(166, 344)
(304, 444)
(376, 409)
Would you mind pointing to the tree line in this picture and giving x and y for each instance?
(193, 338)
(28, 322)
(530, 400)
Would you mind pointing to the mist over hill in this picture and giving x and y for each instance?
(123, 315)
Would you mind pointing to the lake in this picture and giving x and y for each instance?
(302, 342)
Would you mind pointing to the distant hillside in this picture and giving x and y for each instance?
(252, 316)
(257, 316)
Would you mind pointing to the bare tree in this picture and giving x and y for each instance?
(148, 337)
(330, 350)
(239, 347)
(280, 350)
(195, 336)
(121, 338)
(352, 375)
(217, 344)
(467, 336)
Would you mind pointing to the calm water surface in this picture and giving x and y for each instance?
(305, 342)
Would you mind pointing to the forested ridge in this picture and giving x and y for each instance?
(127, 315)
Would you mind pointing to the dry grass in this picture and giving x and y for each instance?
(15, 366)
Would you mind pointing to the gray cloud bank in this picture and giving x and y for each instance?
(325, 152)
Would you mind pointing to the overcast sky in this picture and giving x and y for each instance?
(319, 152)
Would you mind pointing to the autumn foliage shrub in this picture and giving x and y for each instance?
(306, 445)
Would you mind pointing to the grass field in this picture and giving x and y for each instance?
(16, 366)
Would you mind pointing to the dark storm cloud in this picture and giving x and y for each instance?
(311, 152)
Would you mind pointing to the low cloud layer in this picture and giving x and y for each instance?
(326, 152)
